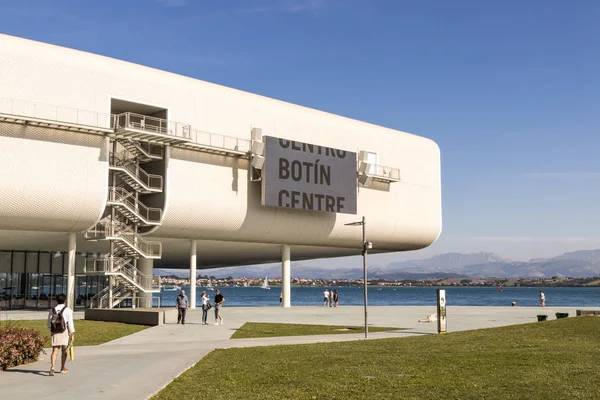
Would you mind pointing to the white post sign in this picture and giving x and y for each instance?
(441, 310)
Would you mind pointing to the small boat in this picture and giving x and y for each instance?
(170, 288)
(500, 288)
(265, 284)
(210, 285)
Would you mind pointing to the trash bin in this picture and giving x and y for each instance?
(542, 317)
(561, 315)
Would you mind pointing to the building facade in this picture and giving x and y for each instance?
(120, 167)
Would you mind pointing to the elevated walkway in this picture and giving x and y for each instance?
(151, 129)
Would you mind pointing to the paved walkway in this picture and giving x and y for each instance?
(139, 365)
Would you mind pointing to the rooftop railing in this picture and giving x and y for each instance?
(58, 114)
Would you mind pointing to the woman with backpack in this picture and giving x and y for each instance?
(60, 323)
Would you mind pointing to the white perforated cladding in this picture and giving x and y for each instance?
(51, 179)
(205, 199)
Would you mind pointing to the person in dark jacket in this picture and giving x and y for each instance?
(182, 305)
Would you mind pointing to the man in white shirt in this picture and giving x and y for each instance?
(325, 297)
(60, 323)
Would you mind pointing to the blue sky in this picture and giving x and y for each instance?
(508, 89)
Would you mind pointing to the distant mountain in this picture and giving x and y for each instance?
(581, 255)
(577, 264)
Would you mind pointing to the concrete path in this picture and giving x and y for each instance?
(139, 365)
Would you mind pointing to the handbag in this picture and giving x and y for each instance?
(208, 306)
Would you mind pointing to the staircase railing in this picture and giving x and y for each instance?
(126, 160)
(120, 266)
(103, 297)
(107, 229)
(149, 150)
(120, 195)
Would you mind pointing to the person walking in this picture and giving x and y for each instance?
(60, 323)
(542, 299)
(205, 307)
(280, 298)
(335, 298)
(330, 298)
(325, 297)
(219, 300)
(182, 305)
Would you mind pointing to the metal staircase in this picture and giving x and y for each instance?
(124, 217)
(126, 166)
(133, 209)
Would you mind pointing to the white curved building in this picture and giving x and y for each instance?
(125, 164)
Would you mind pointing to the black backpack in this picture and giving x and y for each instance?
(57, 323)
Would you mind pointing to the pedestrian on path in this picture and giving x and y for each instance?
(280, 298)
(542, 299)
(325, 297)
(205, 307)
(182, 305)
(335, 298)
(60, 323)
(219, 300)
(330, 298)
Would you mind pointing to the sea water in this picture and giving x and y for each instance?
(402, 296)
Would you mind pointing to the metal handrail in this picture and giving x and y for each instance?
(380, 171)
(103, 296)
(139, 302)
(48, 112)
(125, 159)
(149, 150)
(105, 228)
(120, 266)
(120, 195)
(221, 141)
(152, 124)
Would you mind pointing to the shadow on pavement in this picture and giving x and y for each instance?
(28, 371)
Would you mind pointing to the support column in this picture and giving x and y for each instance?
(71, 271)
(145, 265)
(285, 276)
(111, 286)
(192, 274)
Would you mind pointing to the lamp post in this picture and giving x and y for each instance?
(365, 247)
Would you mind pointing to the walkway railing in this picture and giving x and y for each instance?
(221, 141)
(380, 171)
(129, 120)
(47, 112)
(123, 121)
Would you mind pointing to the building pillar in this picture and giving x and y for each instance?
(193, 274)
(71, 271)
(145, 265)
(285, 276)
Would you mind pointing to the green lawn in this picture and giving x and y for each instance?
(87, 333)
(544, 360)
(261, 330)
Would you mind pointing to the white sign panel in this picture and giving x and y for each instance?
(308, 177)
